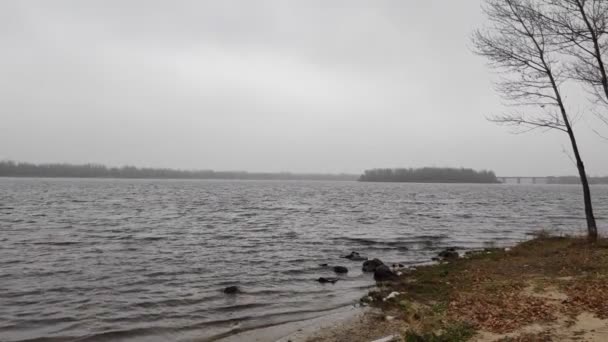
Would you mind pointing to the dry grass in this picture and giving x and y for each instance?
(588, 294)
(501, 291)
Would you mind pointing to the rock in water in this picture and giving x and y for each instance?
(232, 290)
(355, 256)
(448, 254)
(340, 269)
(324, 280)
(383, 273)
(371, 265)
(352, 254)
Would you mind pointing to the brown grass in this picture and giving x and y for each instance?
(490, 290)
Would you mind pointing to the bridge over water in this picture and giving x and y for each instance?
(523, 180)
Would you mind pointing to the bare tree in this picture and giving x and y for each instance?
(518, 44)
(581, 29)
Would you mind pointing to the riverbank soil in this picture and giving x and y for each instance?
(546, 289)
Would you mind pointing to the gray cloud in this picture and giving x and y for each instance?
(260, 85)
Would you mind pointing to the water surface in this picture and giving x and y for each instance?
(146, 260)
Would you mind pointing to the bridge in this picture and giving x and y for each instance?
(523, 180)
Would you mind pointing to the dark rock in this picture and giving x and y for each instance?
(371, 265)
(383, 273)
(324, 265)
(355, 256)
(352, 254)
(232, 290)
(324, 280)
(340, 269)
(448, 254)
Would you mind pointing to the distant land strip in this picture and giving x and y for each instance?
(463, 175)
(404, 175)
(59, 170)
(429, 175)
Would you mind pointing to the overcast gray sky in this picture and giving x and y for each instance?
(303, 86)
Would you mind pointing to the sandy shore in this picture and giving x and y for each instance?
(348, 324)
(546, 289)
(302, 330)
(370, 325)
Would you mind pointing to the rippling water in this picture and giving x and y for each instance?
(113, 260)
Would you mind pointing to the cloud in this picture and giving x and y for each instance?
(265, 85)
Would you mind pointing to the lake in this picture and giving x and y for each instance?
(146, 260)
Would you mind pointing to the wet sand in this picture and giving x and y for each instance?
(302, 330)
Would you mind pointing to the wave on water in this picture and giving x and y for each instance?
(149, 260)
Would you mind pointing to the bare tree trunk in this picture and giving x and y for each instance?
(585, 34)
(591, 225)
(520, 47)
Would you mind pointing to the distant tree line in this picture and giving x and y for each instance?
(429, 175)
(19, 169)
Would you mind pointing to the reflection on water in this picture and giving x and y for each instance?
(147, 260)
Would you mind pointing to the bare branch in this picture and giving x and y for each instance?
(521, 43)
(580, 28)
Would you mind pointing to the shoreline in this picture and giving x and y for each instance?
(545, 289)
(338, 326)
(301, 330)
(346, 320)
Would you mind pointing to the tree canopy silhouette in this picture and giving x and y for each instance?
(429, 175)
(15, 169)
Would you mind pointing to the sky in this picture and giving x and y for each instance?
(285, 85)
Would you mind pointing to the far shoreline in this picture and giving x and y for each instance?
(285, 180)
